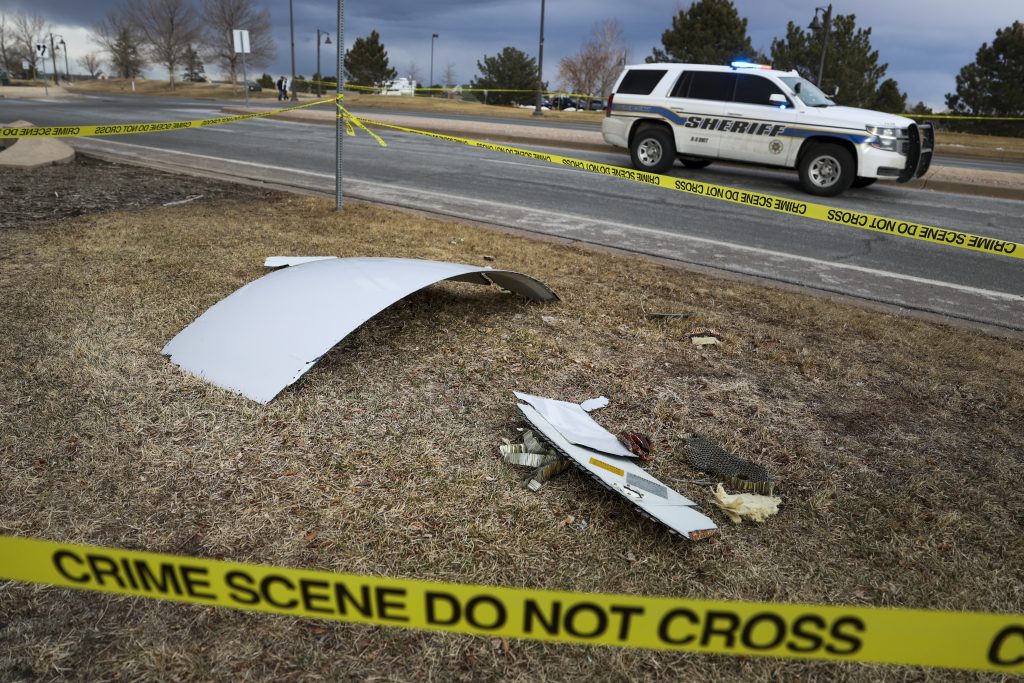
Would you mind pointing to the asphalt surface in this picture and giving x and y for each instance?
(450, 179)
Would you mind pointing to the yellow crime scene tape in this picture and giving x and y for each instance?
(821, 212)
(135, 128)
(959, 640)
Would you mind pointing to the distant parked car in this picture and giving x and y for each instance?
(254, 86)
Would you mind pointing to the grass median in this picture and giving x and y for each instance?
(896, 446)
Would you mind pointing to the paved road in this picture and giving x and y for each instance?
(454, 180)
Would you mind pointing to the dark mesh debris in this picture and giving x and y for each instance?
(709, 457)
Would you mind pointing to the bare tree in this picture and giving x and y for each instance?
(29, 28)
(91, 62)
(449, 75)
(220, 18)
(593, 70)
(168, 28)
(413, 72)
(6, 46)
(122, 41)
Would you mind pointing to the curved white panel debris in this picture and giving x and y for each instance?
(267, 334)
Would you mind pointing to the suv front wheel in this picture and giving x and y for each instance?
(827, 170)
(653, 150)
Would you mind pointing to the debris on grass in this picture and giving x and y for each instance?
(592, 404)
(705, 336)
(533, 453)
(576, 425)
(619, 474)
(270, 332)
(740, 506)
(636, 443)
(709, 457)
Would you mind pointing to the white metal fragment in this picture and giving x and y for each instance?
(576, 425)
(625, 478)
(267, 334)
(592, 404)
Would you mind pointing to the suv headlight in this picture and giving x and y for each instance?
(886, 137)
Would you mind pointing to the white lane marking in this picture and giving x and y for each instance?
(621, 226)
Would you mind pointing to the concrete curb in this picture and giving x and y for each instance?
(456, 129)
(31, 153)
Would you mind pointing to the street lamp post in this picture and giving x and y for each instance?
(339, 88)
(826, 26)
(319, 75)
(67, 71)
(433, 37)
(540, 64)
(53, 58)
(291, 26)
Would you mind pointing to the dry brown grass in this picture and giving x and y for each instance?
(896, 444)
(981, 146)
(219, 91)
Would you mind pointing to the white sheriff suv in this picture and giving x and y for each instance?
(755, 114)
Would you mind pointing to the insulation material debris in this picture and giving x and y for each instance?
(740, 506)
(267, 334)
(619, 474)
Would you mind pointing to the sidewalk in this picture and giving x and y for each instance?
(940, 178)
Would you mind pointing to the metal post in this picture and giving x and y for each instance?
(433, 37)
(319, 76)
(245, 77)
(338, 122)
(53, 58)
(291, 25)
(540, 64)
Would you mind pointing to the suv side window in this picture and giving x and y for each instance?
(712, 85)
(682, 87)
(640, 81)
(751, 89)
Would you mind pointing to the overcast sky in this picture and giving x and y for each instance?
(925, 42)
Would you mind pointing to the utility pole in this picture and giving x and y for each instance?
(540, 64)
(291, 25)
(433, 37)
(319, 75)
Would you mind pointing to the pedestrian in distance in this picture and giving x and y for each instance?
(280, 89)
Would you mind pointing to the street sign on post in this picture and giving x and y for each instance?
(241, 37)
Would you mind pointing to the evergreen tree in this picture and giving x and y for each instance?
(126, 59)
(889, 99)
(367, 62)
(194, 71)
(512, 69)
(993, 85)
(850, 63)
(709, 32)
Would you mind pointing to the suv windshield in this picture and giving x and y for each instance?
(809, 93)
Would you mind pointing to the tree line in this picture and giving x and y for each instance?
(178, 35)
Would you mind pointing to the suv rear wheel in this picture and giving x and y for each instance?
(653, 149)
(827, 170)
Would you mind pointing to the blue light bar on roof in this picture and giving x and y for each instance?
(748, 65)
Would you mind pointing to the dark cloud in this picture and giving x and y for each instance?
(925, 42)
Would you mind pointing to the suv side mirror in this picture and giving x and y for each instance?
(777, 99)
